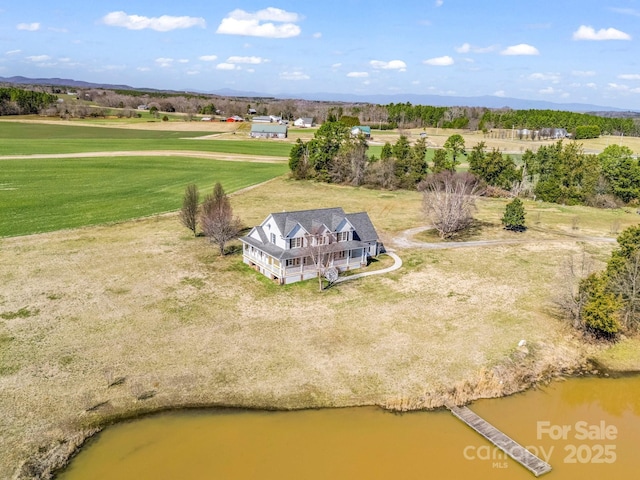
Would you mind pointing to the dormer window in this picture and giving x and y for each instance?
(296, 242)
(273, 238)
(342, 236)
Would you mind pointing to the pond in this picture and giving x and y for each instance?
(585, 428)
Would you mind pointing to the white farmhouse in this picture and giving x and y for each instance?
(304, 122)
(280, 247)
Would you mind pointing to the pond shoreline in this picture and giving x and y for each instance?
(494, 383)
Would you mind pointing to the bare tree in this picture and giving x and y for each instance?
(189, 210)
(626, 284)
(449, 200)
(320, 247)
(217, 220)
(569, 299)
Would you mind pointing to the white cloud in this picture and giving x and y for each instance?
(250, 60)
(164, 62)
(392, 65)
(227, 66)
(39, 58)
(629, 76)
(29, 27)
(547, 77)
(260, 23)
(143, 69)
(591, 85)
(336, 65)
(58, 30)
(208, 58)
(317, 35)
(520, 49)
(583, 73)
(467, 47)
(439, 3)
(547, 91)
(415, 82)
(589, 33)
(193, 72)
(296, 75)
(500, 93)
(622, 88)
(163, 23)
(357, 74)
(439, 61)
(183, 60)
(13, 52)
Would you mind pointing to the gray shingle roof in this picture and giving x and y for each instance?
(311, 220)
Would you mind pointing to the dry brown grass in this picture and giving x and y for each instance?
(147, 302)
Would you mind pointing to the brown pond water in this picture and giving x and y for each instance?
(585, 428)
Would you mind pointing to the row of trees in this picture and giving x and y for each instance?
(335, 156)
(214, 216)
(537, 119)
(406, 115)
(564, 173)
(17, 101)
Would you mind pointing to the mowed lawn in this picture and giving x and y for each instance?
(33, 138)
(42, 195)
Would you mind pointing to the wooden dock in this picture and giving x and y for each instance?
(503, 442)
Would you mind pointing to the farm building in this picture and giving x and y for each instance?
(282, 245)
(263, 130)
(235, 118)
(361, 130)
(304, 122)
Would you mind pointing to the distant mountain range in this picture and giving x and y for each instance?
(488, 101)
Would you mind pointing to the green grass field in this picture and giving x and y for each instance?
(32, 138)
(46, 195)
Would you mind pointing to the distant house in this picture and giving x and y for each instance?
(252, 111)
(554, 133)
(361, 130)
(143, 107)
(304, 122)
(279, 247)
(262, 119)
(206, 119)
(262, 130)
(235, 118)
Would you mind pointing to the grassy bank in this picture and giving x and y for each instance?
(157, 314)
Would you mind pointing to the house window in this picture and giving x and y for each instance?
(340, 255)
(293, 262)
(273, 238)
(343, 236)
(321, 240)
(296, 242)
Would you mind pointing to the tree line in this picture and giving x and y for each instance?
(406, 115)
(17, 101)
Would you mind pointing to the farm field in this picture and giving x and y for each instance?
(42, 195)
(27, 138)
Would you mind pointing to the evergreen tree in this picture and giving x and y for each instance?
(514, 214)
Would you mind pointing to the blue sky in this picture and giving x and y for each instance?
(583, 51)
